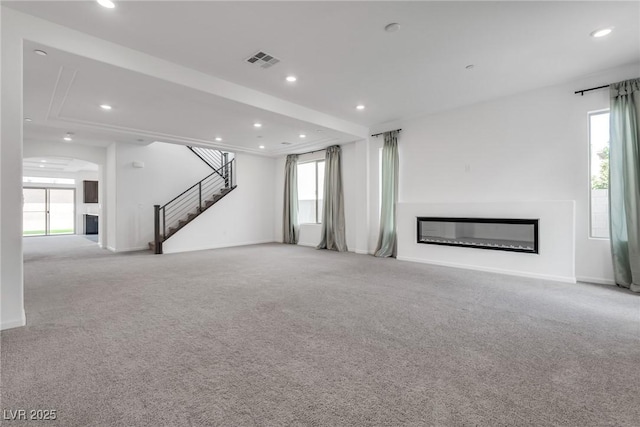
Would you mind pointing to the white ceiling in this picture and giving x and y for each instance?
(44, 165)
(342, 56)
(63, 93)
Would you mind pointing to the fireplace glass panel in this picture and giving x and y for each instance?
(516, 235)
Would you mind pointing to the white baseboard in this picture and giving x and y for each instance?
(597, 280)
(565, 279)
(356, 251)
(362, 252)
(14, 323)
(309, 245)
(133, 249)
(229, 245)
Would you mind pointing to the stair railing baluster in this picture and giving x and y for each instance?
(156, 227)
(226, 170)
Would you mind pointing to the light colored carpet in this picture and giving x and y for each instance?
(284, 335)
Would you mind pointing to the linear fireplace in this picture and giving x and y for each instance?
(514, 235)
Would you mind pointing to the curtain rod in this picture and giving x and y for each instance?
(311, 152)
(378, 134)
(581, 92)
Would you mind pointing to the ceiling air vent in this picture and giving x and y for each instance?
(262, 59)
(285, 143)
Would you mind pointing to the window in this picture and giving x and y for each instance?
(310, 192)
(599, 174)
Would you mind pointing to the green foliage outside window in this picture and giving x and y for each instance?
(601, 180)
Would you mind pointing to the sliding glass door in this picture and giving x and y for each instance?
(61, 211)
(34, 212)
(48, 211)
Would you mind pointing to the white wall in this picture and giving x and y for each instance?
(243, 217)
(1, 201)
(349, 168)
(11, 272)
(528, 147)
(95, 155)
(278, 197)
(168, 170)
(109, 196)
(554, 261)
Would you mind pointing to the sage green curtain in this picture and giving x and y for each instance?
(290, 226)
(387, 240)
(333, 229)
(624, 183)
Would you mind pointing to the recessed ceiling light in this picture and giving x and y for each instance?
(257, 125)
(67, 138)
(360, 107)
(40, 52)
(27, 119)
(291, 79)
(218, 139)
(602, 32)
(106, 3)
(105, 107)
(392, 28)
(43, 161)
(302, 135)
(41, 166)
(261, 147)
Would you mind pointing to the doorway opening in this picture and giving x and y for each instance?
(48, 211)
(60, 197)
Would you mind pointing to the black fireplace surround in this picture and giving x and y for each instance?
(501, 234)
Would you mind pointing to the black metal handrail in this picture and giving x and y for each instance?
(213, 158)
(196, 184)
(183, 208)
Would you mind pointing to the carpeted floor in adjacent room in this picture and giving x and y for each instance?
(287, 335)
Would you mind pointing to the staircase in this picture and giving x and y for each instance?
(188, 205)
(214, 158)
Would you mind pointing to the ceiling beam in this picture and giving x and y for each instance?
(78, 43)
